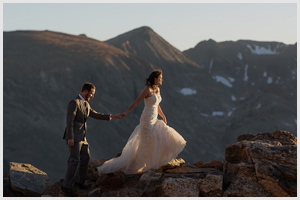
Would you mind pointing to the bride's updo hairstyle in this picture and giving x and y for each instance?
(150, 81)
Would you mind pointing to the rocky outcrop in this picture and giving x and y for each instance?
(27, 179)
(261, 165)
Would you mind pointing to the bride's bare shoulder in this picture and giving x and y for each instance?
(147, 90)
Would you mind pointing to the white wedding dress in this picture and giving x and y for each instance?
(151, 145)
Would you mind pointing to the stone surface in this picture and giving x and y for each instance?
(181, 187)
(149, 176)
(184, 169)
(263, 165)
(260, 167)
(211, 186)
(216, 164)
(149, 182)
(111, 181)
(27, 179)
(95, 193)
(245, 186)
(281, 136)
(199, 163)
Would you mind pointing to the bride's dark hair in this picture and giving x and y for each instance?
(150, 81)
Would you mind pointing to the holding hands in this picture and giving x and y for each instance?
(118, 116)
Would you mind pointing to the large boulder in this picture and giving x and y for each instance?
(263, 165)
(27, 179)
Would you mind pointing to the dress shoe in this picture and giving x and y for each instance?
(82, 186)
(68, 192)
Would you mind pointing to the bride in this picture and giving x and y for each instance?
(153, 143)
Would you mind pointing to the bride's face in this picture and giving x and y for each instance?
(158, 80)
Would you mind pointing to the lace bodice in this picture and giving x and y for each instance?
(153, 101)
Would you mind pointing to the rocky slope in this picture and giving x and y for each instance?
(43, 70)
(261, 78)
(261, 165)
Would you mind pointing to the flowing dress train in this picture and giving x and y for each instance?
(151, 145)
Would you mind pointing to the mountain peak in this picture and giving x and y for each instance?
(143, 29)
(143, 32)
(146, 43)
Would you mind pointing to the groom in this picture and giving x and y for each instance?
(75, 135)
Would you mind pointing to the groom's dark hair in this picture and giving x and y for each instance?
(88, 86)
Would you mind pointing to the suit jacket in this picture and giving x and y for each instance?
(77, 113)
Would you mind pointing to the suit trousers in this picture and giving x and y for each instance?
(77, 163)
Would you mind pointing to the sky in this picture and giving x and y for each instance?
(183, 25)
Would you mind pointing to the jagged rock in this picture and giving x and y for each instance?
(283, 137)
(264, 166)
(112, 181)
(52, 189)
(149, 181)
(27, 179)
(184, 169)
(199, 163)
(211, 164)
(8, 191)
(211, 186)
(245, 186)
(256, 166)
(149, 176)
(95, 193)
(181, 187)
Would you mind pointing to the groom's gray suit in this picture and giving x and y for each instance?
(77, 113)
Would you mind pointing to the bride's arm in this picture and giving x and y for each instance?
(143, 95)
(160, 112)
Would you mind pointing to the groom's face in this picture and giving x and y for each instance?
(89, 95)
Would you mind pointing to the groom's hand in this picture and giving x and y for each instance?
(71, 142)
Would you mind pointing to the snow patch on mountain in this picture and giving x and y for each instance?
(210, 65)
(262, 50)
(270, 80)
(233, 98)
(217, 113)
(246, 73)
(223, 80)
(231, 79)
(265, 74)
(204, 115)
(258, 106)
(188, 91)
(240, 56)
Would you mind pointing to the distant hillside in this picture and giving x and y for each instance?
(261, 77)
(211, 93)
